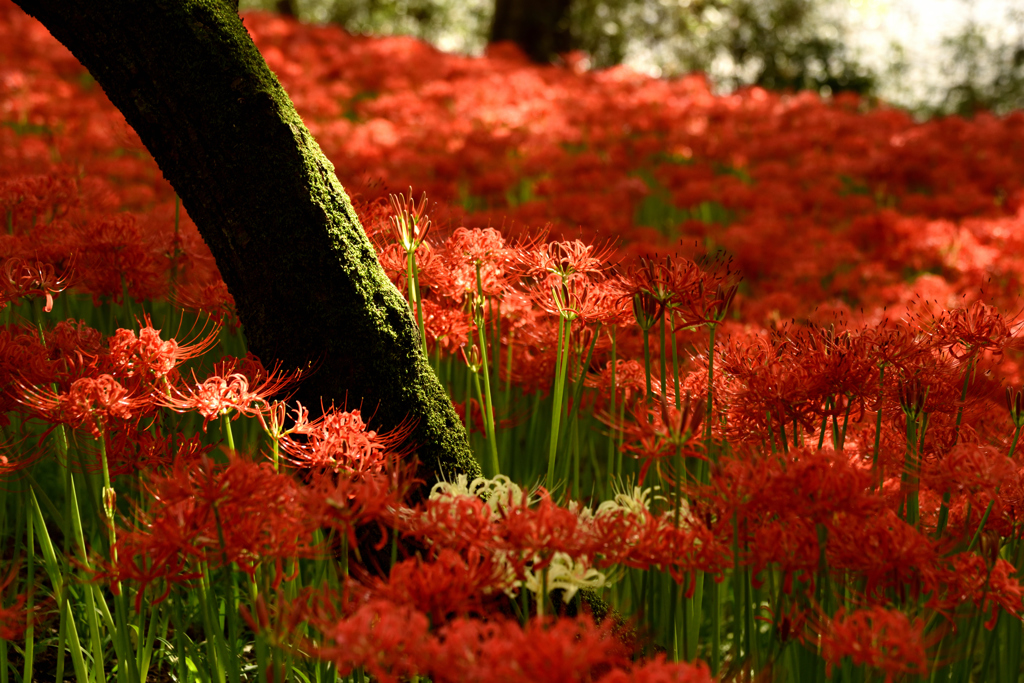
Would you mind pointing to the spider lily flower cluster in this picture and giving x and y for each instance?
(810, 472)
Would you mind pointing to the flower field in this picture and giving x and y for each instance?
(742, 374)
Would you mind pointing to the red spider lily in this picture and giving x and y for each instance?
(771, 393)
(340, 440)
(21, 278)
(449, 584)
(132, 448)
(565, 260)
(663, 431)
(212, 298)
(148, 357)
(112, 257)
(409, 220)
(681, 549)
(447, 327)
(388, 641)
(672, 283)
(967, 332)
(658, 670)
(472, 254)
(348, 502)
(630, 379)
(542, 529)
(462, 523)
(971, 577)
(682, 285)
(969, 469)
(900, 346)
(26, 197)
(840, 365)
(888, 553)
(241, 512)
(542, 651)
(881, 638)
(225, 391)
(578, 297)
(92, 402)
(73, 346)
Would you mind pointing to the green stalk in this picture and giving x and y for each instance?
(561, 363)
(1016, 437)
(612, 471)
(716, 627)
(179, 637)
(576, 397)
(228, 435)
(412, 275)
(664, 361)
(695, 609)
(711, 390)
(824, 423)
(53, 571)
(944, 507)
(122, 642)
(675, 363)
(214, 635)
(846, 421)
(90, 606)
(737, 594)
(30, 629)
(647, 364)
(487, 404)
(230, 609)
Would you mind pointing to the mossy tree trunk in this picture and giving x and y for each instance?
(305, 279)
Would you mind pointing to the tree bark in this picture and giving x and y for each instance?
(540, 27)
(305, 279)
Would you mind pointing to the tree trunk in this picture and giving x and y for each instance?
(287, 8)
(539, 27)
(305, 279)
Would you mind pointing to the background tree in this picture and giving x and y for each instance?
(794, 44)
(539, 27)
(777, 44)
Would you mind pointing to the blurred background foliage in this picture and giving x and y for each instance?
(776, 44)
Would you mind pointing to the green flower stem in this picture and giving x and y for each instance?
(824, 423)
(179, 636)
(575, 397)
(664, 360)
(675, 363)
(230, 608)
(1016, 437)
(412, 276)
(30, 555)
(712, 327)
(53, 571)
(228, 435)
(715, 598)
(486, 404)
(647, 364)
(121, 627)
(612, 471)
(561, 363)
(211, 626)
(90, 595)
(695, 607)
